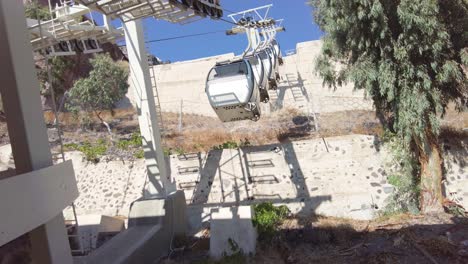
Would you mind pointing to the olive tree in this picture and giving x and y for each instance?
(409, 57)
(101, 90)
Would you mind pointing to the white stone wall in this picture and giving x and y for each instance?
(347, 180)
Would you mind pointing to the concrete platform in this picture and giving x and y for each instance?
(232, 231)
(341, 177)
(151, 227)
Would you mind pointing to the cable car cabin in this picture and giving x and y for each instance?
(268, 67)
(274, 63)
(277, 49)
(261, 77)
(233, 92)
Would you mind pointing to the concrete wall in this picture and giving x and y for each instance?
(343, 181)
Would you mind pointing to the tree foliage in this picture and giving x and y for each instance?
(34, 10)
(409, 56)
(105, 86)
(58, 68)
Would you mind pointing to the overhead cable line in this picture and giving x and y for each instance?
(181, 37)
(232, 12)
(227, 21)
(194, 35)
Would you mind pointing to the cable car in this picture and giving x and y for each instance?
(233, 92)
(274, 63)
(277, 49)
(261, 77)
(268, 66)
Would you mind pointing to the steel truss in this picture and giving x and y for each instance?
(174, 11)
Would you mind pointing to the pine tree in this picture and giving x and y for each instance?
(411, 58)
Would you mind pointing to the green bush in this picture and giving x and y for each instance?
(101, 90)
(167, 152)
(35, 10)
(267, 218)
(227, 145)
(233, 145)
(406, 194)
(70, 146)
(172, 151)
(136, 139)
(123, 144)
(92, 151)
(132, 144)
(237, 256)
(139, 154)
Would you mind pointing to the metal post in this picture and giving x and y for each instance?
(180, 114)
(160, 183)
(26, 127)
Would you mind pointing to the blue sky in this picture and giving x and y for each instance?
(296, 13)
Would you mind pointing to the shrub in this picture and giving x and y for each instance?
(227, 145)
(92, 152)
(101, 90)
(34, 10)
(70, 146)
(139, 154)
(267, 218)
(404, 167)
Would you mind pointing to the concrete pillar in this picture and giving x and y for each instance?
(160, 183)
(19, 88)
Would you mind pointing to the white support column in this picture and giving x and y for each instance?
(160, 183)
(19, 88)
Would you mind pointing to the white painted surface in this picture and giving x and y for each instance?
(235, 224)
(344, 182)
(30, 147)
(31, 199)
(140, 81)
(228, 91)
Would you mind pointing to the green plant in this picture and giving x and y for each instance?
(403, 167)
(136, 139)
(179, 151)
(59, 69)
(70, 146)
(236, 256)
(267, 218)
(123, 144)
(455, 209)
(139, 154)
(409, 57)
(105, 86)
(227, 145)
(167, 152)
(34, 10)
(93, 152)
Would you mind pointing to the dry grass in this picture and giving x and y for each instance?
(455, 119)
(318, 239)
(202, 133)
(349, 122)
